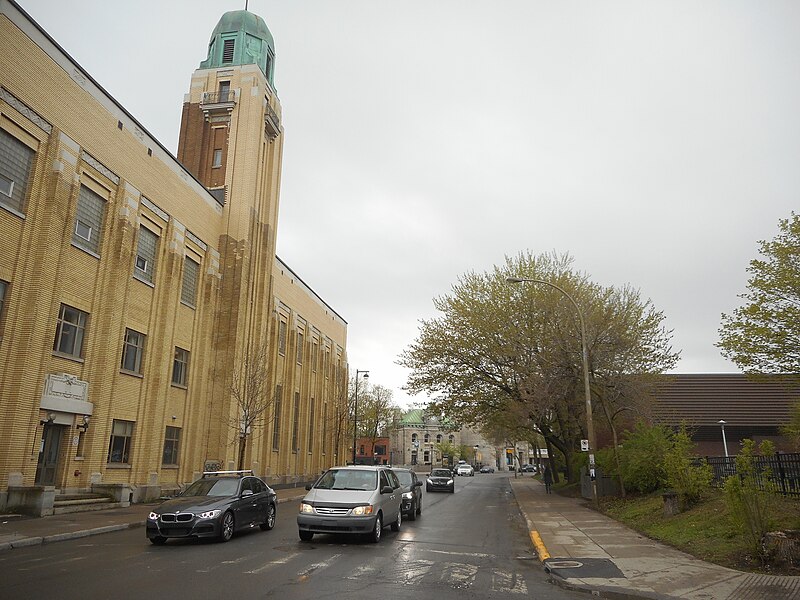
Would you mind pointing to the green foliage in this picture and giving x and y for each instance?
(642, 457)
(792, 428)
(690, 479)
(752, 508)
(763, 335)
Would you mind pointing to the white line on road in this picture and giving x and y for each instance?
(303, 575)
(272, 563)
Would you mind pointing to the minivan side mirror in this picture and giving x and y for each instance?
(418, 484)
(387, 489)
(309, 486)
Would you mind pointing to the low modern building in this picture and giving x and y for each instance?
(147, 327)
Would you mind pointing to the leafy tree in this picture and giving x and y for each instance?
(792, 428)
(512, 354)
(763, 336)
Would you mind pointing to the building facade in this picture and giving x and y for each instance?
(147, 327)
(415, 440)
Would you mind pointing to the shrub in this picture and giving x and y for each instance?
(642, 457)
(688, 477)
(751, 506)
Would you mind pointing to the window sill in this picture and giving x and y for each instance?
(179, 386)
(187, 305)
(131, 373)
(118, 466)
(76, 359)
(148, 283)
(170, 467)
(82, 249)
(13, 211)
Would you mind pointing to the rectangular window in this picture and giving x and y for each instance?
(146, 255)
(3, 292)
(16, 161)
(133, 351)
(314, 356)
(299, 348)
(276, 419)
(172, 444)
(119, 448)
(282, 337)
(296, 422)
(324, 427)
(311, 426)
(191, 271)
(180, 367)
(70, 330)
(88, 220)
(217, 161)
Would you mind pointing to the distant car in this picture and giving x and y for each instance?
(353, 499)
(411, 504)
(529, 468)
(440, 480)
(465, 470)
(216, 506)
(487, 469)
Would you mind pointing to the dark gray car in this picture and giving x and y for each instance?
(411, 504)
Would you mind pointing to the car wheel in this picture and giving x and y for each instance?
(419, 506)
(270, 522)
(396, 525)
(375, 536)
(306, 535)
(226, 532)
(453, 490)
(158, 540)
(428, 488)
(412, 514)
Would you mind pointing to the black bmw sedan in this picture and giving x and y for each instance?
(216, 506)
(440, 480)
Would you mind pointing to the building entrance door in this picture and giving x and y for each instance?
(48, 454)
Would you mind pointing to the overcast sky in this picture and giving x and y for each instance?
(656, 142)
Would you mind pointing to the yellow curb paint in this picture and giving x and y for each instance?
(541, 551)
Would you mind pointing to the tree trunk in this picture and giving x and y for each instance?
(242, 450)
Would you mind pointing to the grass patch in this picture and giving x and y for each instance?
(705, 531)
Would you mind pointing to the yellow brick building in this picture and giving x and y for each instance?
(146, 325)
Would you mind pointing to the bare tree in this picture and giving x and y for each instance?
(250, 389)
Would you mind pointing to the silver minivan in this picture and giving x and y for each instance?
(352, 499)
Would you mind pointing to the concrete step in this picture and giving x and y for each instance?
(81, 501)
(82, 496)
(74, 508)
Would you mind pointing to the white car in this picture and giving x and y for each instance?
(465, 469)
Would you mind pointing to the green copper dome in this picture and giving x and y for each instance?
(241, 38)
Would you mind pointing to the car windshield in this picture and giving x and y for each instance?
(212, 487)
(404, 477)
(348, 479)
(440, 473)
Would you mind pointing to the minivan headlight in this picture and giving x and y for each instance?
(306, 509)
(408, 495)
(359, 511)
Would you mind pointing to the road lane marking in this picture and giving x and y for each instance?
(272, 563)
(473, 554)
(304, 575)
(508, 583)
(460, 575)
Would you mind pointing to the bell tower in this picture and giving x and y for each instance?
(231, 139)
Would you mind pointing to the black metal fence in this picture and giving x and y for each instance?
(779, 472)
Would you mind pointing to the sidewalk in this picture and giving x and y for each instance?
(585, 550)
(21, 531)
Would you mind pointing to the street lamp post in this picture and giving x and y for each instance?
(587, 389)
(355, 412)
(724, 441)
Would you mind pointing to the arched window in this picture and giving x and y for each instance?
(427, 438)
(451, 438)
(439, 438)
(413, 437)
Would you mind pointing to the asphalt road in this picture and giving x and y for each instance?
(471, 544)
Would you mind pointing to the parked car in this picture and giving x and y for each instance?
(487, 469)
(216, 505)
(411, 504)
(440, 480)
(353, 499)
(465, 470)
(529, 468)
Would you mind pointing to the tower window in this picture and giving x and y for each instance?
(217, 162)
(227, 50)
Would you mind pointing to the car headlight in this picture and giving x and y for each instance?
(209, 514)
(306, 508)
(153, 516)
(362, 510)
(408, 495)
